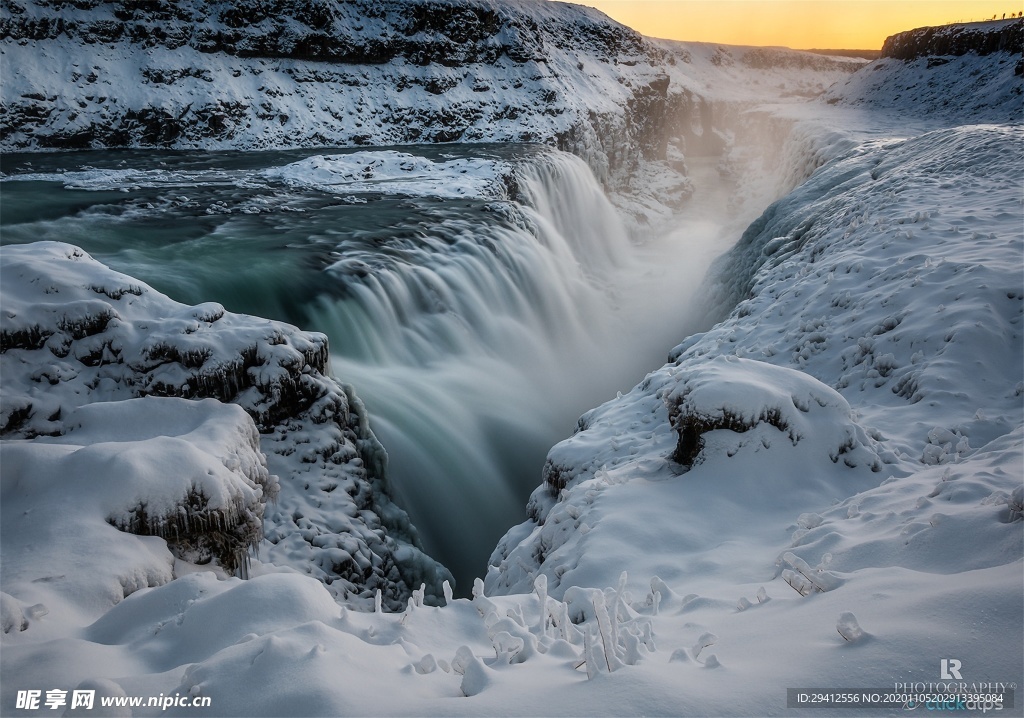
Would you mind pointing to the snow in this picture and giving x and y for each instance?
(848, 512)
(66, 497)
(391, 172)
(965, 89)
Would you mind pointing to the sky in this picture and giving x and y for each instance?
(800, 24)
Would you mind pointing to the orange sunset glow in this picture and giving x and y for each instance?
(801, 24)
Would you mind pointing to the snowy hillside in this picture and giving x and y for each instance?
(823, 490)
(955, 74)
(879, 279)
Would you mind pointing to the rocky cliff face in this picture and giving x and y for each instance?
(983, 38)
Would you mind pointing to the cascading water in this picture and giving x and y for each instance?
(475, 329)
(472, 343)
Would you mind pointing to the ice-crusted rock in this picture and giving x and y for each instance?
(75, 332)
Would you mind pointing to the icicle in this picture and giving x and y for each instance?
(632, 645)
(620, 610)
(516, 614)
(590, 655)
(608, 630)
(568, 630)
(540, 585)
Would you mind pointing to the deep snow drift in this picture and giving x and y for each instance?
(821, 491)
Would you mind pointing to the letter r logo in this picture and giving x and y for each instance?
(951, 669)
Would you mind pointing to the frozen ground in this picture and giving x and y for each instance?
(821, 491)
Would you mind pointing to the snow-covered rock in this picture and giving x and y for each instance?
(75, 332)
(740, 394)
(188, 472)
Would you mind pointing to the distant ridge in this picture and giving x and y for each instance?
(866, 54)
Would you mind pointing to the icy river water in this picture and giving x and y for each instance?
(479, 298)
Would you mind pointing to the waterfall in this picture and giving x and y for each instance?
(475, 327)
(476, 345)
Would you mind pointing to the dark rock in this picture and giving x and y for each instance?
(956, 40)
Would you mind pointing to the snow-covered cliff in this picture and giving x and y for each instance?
(369, 72)
(299, 74)
(74, 333)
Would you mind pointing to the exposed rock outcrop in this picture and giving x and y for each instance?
(982, 38)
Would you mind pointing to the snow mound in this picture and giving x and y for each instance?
(74, 332)
(739, 394)
(189, 472)
(391, 172)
